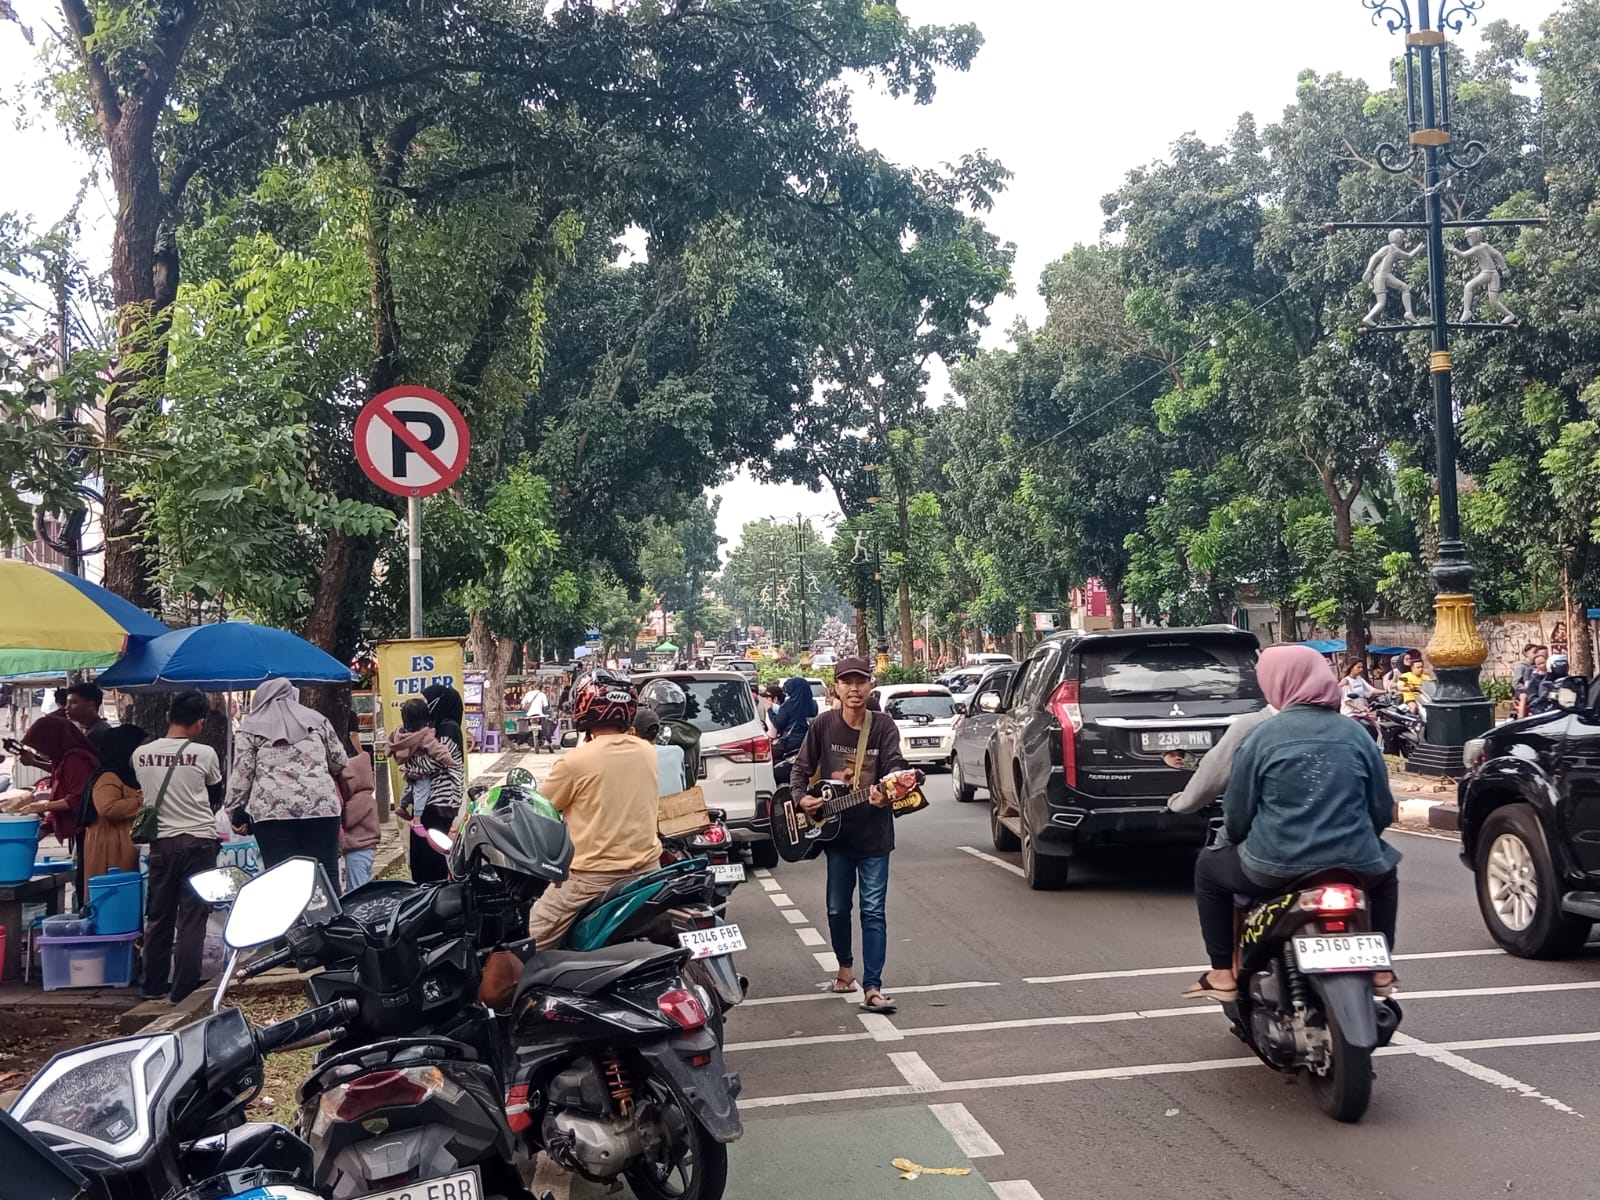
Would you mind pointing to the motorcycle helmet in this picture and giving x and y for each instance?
(667, 698)
(517, 831)
(604, 699)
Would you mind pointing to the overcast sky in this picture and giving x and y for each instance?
(1069, 94)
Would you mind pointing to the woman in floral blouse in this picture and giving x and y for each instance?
(285, 761)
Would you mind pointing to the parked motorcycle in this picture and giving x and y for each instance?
(1399, 729)
(162, 1115)
(1306, 1001)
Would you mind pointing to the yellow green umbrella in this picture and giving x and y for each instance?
(52, 623)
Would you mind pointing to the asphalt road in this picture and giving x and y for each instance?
(1041, 1041)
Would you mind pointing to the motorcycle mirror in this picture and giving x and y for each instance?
(267, 906)
(959, 707)
(219, 887)
(569, 739)
(989, 702)
(440, 841)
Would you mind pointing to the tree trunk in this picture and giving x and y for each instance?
(1288, 622)
(1114, 601)
(908, 633)
(1355, 612)
(859, 621)
(1580, 645)
(491, 654)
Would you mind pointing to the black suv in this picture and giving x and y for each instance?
(1530, 826)
(1097, 730)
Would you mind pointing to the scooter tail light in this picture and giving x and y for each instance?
(381, 1089)
(715, 835)
(1333, 898)
(682, 1006)
(518, 1116)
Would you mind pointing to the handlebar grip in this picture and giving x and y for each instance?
(297, 1028)
(258, 966)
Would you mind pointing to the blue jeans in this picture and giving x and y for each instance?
(843, 871)
(357, 868)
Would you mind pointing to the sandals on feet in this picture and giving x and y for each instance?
(842, 986)
(876, 1002)
(1201, 989)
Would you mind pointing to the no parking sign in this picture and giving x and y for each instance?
(412, 441)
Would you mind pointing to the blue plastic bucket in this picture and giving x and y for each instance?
(19, 841)
(116, 902)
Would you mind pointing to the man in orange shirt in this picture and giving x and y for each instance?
(607, 789)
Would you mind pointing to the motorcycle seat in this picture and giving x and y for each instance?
(588, 972)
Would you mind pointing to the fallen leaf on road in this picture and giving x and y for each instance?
(911, 1170)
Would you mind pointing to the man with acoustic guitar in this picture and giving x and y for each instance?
(859, 748)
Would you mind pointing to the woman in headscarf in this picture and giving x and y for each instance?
(447, 789)
(117, 798)
(1308, 791)
(285, 761)
(56, 745)
(793, 717)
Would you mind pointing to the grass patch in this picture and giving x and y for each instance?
(279, 1100)
(399, 869)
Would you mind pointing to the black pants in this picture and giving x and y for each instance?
(1219, 876)
(301, 837)
(176, 914)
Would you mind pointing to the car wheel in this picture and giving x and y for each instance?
(1044, 873)
(764, 855)
(1519, 892)
(965, 792)
(999, 834)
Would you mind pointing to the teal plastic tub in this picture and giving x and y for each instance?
(19, 841)
(116, 900)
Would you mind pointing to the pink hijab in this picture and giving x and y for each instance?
(1296, 675)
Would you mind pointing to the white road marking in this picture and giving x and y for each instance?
(923, 987)
(793, 915)
(763, 873)
(820, 1040)
(917, 1073)
(1480, 1072)
(826, 960)
(1015, 1189)
(1084, 976)
(781, 900)
(769, 884)
(989, 858)
(881, 1028)
(810, 937)
(971, 1139)
(1438, 837)
(1585, 985)
(1140, 1071)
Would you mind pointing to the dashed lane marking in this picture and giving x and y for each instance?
(1483, 1074)
(793, 915)
(1142, 972)
(1015, 1189)
(771, 885)
(971, 1138)
(921, 987)
(880, 1027)
(916, 1072)
(989, 858)
(826, 1039)
(763, 873)
(780, 899)
(810, 937)
(1431, 1050)
(826, 960)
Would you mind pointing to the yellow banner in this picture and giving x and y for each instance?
(404, 669)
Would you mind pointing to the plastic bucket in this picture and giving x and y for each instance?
(116, 902)
(19, 841)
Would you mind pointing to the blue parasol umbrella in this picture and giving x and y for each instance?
(230, 656)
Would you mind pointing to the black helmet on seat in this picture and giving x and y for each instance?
(667, 698)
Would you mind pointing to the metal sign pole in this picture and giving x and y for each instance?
(414, 536)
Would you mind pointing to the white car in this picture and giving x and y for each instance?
(926, 717)
(963, 683)
(735, 753)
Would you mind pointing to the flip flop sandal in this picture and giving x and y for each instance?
(1201, 989)
(883, 1004)
(843, 987)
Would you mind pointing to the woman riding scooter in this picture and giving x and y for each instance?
(1308, 791)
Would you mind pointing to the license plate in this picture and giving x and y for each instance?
(924, 742)
(727, 872)
(708, 943)
(1176, 739)
(1353, 952)
(463, 1185)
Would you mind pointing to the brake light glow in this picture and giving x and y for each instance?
(518, 1117)
(714, 835)
(682, 1006)
(382, 1089)
(752, 750)
(1064, 707)
(1333, 898)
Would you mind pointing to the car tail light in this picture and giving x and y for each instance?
(1334, 898)
(517, 1115)
(683, 1007)
(1064, 707)
(382, 1089)
(751, 750)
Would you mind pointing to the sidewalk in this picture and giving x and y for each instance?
(1422, 800)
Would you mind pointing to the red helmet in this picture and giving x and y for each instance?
(604, 698)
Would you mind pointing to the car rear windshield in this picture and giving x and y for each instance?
(934, 708)
(717, 703)
(1176, 669)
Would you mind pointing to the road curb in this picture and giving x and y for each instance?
(1435, 814)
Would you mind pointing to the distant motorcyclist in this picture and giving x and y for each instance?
(1308, 791)
(1543, 698)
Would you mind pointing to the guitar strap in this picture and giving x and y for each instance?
(861, 754)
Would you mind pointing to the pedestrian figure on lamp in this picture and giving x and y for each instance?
(1380, 273)
(1491, 268)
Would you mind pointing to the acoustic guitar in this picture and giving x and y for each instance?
(800, 835)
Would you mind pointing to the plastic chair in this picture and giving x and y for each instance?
(491, 741)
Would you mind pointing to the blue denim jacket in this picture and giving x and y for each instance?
(1309, 790)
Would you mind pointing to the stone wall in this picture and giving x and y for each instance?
(1505, 635)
